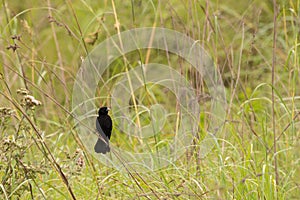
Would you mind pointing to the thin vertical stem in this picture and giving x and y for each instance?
(273, 95)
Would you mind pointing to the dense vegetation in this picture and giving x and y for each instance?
(255, 46)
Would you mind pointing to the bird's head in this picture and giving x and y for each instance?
(103, 111)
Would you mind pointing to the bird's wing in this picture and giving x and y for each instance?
(101, 131)
(104, 124)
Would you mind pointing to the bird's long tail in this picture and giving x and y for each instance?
(101, 147)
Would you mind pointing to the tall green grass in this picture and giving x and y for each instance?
(42, 45)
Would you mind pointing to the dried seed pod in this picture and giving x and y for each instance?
(23, 91)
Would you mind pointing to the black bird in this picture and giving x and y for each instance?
(104, 127)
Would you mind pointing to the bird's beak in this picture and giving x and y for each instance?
(108, 109)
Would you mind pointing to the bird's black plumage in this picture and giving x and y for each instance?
(104, 128)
